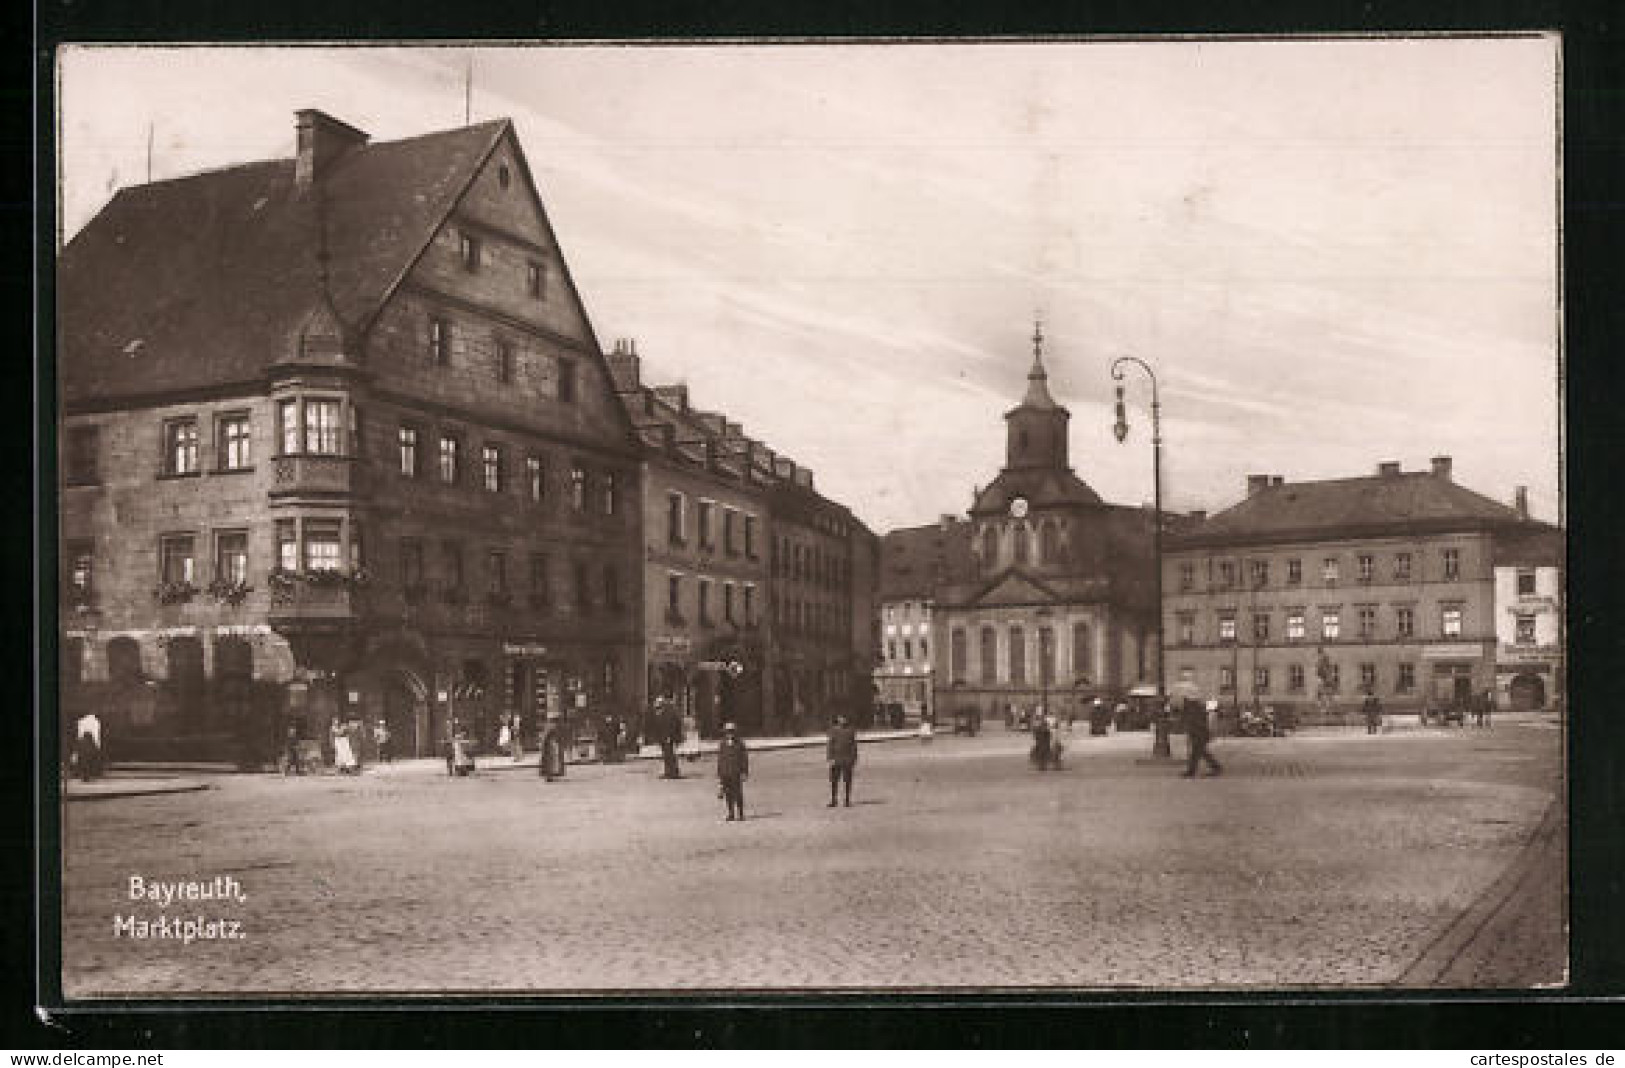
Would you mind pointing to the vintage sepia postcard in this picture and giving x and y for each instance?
(797, 516)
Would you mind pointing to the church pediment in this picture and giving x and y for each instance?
(1014, 588)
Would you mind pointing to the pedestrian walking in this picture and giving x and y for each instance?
(462, 753)
(550, 762)
(689, 749)
(1197, 733)
(292, 756)
(87, 746)
(669, 730)
(344, 761)
(516, 741)
(733, 769)
(1489, 708)
(380, 738)
(1372, 707)
(842, 754)
(1042, 738)
(927, 728)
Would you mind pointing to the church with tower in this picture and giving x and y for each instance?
(1057, 606)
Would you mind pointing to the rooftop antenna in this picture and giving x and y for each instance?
(468, 92)
(149, 152)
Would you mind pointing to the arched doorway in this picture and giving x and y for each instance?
(406, 713)
(1527, 692)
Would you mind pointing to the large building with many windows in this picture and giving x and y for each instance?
(914, 561)
(339, 442)
(1057, 607)
(1309, 595)
(705, 553)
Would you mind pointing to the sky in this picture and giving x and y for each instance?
(1333, 252)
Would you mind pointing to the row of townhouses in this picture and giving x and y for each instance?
(338, 441)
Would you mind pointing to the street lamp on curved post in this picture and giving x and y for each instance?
(1160, 745)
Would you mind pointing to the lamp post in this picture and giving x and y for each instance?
(1160, 746)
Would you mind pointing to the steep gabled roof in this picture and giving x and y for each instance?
(1396, 503)
(205, 280)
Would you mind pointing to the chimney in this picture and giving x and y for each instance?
(784, 467)
(713, 423)
(1441, 467)
(947, 521)
(1388, 468)
(1257, 484)
(804, 477)
(1198, 515)
(1278, 480)
(625, 367)
(1520, 501)
(321, 140)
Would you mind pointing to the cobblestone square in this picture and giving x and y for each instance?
(1424, 858)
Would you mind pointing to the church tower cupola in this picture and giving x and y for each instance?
(1037, 427)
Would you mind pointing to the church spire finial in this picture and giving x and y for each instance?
(1038, 339)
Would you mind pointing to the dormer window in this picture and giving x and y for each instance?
(469, 249)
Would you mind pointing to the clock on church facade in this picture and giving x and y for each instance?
(1058, 607)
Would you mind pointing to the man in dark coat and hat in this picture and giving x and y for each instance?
(733, 768)
(842, 754)
(669, 729)
(1194, 716)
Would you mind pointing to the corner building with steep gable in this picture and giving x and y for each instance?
(1056, 607)
(338, 442)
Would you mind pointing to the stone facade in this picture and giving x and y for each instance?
(370, 571)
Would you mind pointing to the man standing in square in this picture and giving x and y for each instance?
(733, 768)
(842, 754)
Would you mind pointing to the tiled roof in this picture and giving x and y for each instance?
(1396, 503)
(914, 561)
(1535, 544)
(205, 280)
(1044, 487)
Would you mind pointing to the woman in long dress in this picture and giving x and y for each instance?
(690, 747)
(343, 750)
